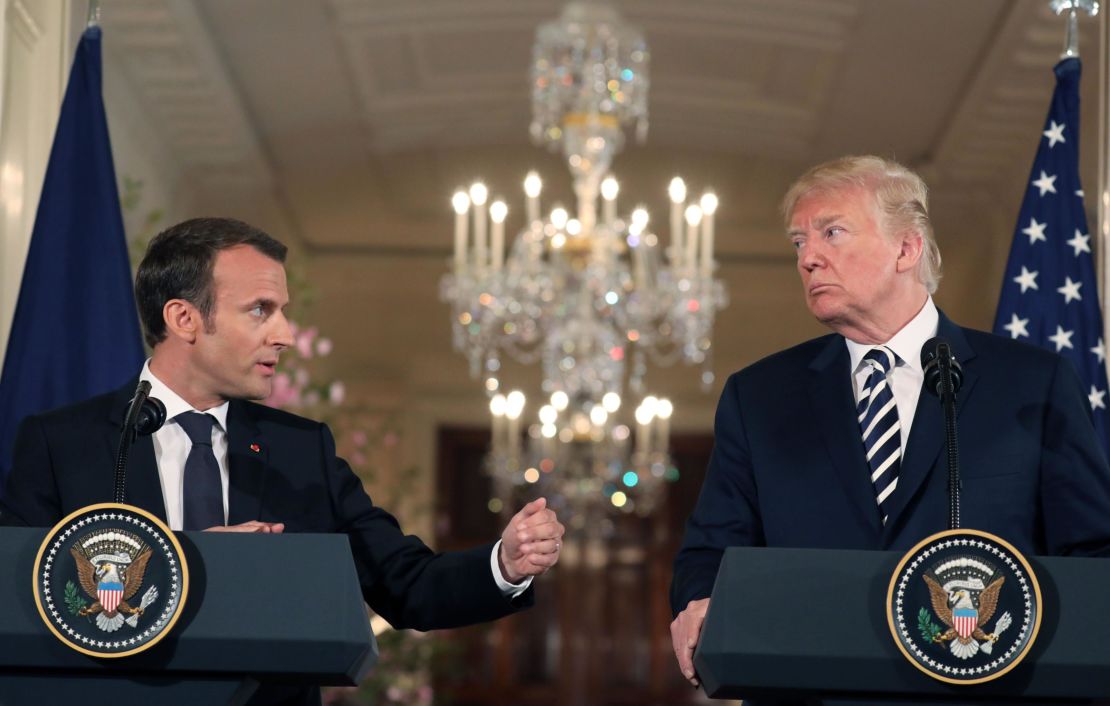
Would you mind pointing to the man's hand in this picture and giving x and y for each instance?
(252, 526)
(530, 544)
(685, 631)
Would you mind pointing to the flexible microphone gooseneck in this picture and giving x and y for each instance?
(943, 378)
(145, 415)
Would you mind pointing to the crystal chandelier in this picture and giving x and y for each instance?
(592, 296)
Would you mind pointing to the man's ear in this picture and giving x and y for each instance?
(183, 320)
(912, 249)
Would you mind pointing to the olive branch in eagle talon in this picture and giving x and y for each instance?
(74, 602)
(929, 629)
(943, 605)
(131, 576)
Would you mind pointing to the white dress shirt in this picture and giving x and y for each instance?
(172, 445)
(907, 376)
(171, 448)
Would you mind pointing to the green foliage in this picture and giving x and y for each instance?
(74, 602)
(929, 629)
(129, 201)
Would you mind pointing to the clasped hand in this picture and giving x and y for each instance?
(531, 542)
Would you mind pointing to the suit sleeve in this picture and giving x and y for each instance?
(402, 579)
(1075, 477)
(30, 495)
(727, 511)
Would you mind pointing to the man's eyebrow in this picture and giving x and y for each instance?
(818, 224)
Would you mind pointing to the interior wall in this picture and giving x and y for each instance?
(34, 49)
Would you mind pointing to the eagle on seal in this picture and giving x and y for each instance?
(94, 579)
(958, 611)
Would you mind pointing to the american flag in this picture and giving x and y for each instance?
(1049, 293)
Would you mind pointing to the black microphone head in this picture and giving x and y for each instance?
(929, 360)
(936, 355)
(151, 417)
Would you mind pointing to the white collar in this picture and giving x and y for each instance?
(907, 343)
(174, 404)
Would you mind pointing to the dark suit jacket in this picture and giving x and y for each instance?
(65, 460)
(788, 466)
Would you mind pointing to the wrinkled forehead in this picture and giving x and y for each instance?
(825, 201)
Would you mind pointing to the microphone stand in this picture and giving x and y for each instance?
(947, 392)
(145, 415)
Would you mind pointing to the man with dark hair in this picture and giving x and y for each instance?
(831, 443)
(212, 294)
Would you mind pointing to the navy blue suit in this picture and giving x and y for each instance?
(64, 460)
(788, 466)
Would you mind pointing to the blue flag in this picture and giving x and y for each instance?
(76, 332)
(1049, 293)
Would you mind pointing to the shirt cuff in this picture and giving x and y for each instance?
(512, 590)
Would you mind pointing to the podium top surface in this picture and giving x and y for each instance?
(286, 605)
(798, 622)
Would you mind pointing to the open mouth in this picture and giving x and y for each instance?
(268, 366)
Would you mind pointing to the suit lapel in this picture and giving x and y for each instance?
(143, 486)
(830, 390)
(247, 455)
(926, 439)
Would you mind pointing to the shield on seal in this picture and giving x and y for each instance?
(965, 620)
(109, 595)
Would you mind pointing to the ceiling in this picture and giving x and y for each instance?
(343, 126)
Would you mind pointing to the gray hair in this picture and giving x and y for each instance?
(900, 194)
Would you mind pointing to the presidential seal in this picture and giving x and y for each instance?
(110, 580)
(964, 606)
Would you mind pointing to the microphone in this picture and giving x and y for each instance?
(936, 355)
(943, 378)
(145, 414)
(151, 417)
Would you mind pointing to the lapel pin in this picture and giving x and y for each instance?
(255, 448)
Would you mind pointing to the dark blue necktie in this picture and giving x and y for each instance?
(882, 432)
(203, 492)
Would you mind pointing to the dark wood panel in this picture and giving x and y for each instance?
(599, 632)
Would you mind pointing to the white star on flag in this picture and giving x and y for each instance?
(1035, 231)
(1027, 279)
(1029, 311)
(1095, 398)
(1080, 242)
(1062, 339)
(1055, 134)
(1046, 183)
(1070, 290)
(1016, 327)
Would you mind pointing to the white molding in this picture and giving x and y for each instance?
(23, 24)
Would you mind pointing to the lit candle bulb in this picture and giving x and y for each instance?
(609, 190)
(497, 212)
(559, 217)
(693, 220)
(461, 203)
(677, 192)
(514, 407)
(708, 207)
(497, 408)
(532, 187)
(478, 195)
(663, 430)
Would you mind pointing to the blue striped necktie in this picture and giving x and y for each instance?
(882, 432)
